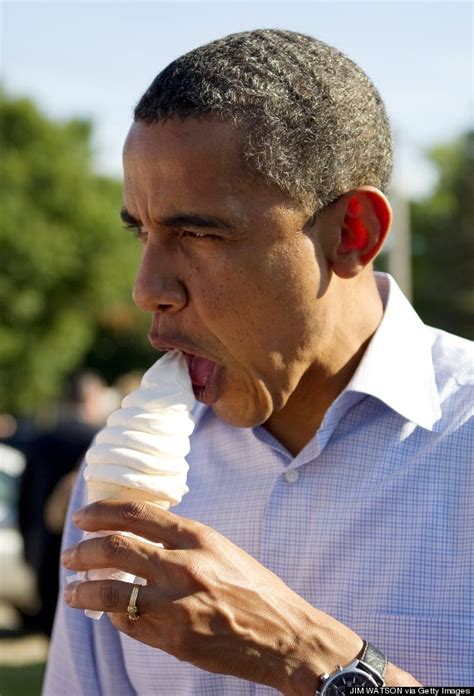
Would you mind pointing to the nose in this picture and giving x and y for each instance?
(157, 286)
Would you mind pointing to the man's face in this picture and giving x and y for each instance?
(228, 270)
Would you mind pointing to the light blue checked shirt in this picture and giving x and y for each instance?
(372, 522)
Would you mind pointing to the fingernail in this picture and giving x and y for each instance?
(77, 514)
(69, 592)
(67, 555)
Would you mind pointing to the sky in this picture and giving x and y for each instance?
(95, 59)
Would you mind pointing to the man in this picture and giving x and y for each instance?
(328, 506)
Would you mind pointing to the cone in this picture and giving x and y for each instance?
(99, 490)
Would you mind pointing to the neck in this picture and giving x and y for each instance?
(359, 312)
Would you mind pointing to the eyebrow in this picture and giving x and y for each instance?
(180, 220)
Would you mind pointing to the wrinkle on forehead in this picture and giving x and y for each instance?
(176, 163)
(190, 139)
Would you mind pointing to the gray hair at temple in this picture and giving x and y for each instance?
(311, 120)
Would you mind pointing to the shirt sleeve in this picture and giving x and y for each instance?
(86, 655)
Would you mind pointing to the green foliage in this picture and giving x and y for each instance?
(443, 241)
(64, 263)
(22, 680)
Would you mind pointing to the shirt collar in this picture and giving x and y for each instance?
(397, 366)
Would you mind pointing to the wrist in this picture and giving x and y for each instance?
(323, 644)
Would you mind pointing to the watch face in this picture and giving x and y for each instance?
(341, 683)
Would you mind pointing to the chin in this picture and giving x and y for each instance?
(241, 417)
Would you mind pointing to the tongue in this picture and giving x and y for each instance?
(200, 369)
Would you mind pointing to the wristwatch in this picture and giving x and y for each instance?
(366, 670)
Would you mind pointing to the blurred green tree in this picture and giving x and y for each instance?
(66, 268)
(443, 241)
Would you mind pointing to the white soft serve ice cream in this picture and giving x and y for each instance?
(141, 451)
(145, 442)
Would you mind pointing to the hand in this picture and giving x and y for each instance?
(206, 600)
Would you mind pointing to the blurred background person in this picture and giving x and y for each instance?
(48, 479)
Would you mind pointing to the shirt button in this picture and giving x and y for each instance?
(292, 476)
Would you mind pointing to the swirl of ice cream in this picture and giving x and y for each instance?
(144, 443)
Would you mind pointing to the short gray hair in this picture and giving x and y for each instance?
(312, 122)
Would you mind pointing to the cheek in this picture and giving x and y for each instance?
(226, 299)
(285, 300)
(261, 304)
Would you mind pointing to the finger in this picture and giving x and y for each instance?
(115, 551)
(112, 596)
(142, 518)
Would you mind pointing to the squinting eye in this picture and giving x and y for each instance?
(197, 235)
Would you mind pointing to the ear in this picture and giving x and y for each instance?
(363, 218)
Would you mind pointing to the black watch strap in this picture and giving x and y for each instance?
(374, 660)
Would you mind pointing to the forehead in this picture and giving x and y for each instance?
(179, 150)
(186, 135)
(194, 165)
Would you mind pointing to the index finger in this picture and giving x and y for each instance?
(142, 518)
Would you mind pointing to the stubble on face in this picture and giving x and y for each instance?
(250, 297)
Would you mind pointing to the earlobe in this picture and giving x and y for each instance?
(366, 218)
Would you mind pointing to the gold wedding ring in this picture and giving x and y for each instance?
(132, 608)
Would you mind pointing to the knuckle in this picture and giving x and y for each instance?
(132, 511)
(113, 546)
(204, 535)
(109, 596)
(182, 529)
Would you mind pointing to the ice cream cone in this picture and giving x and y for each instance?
(139, 454)
(98, 490)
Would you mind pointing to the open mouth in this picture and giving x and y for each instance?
(204, 378)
